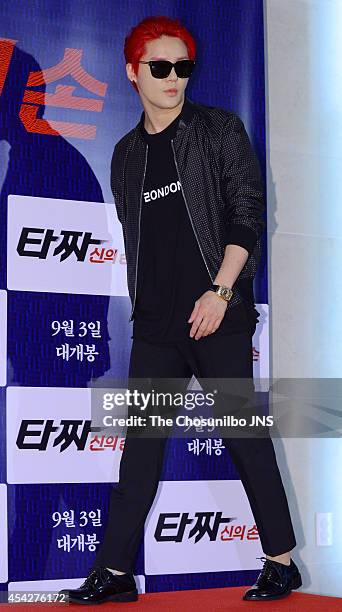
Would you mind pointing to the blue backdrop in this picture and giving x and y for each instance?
(230, 74)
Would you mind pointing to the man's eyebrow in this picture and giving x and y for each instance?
(157, 57)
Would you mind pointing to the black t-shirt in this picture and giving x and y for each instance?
(171, 271)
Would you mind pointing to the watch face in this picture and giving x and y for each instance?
(226, 293)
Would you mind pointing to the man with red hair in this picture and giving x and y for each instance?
(189, 195)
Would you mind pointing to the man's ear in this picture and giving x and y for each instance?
(130, 72)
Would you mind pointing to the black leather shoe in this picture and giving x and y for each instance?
(101, 586)
(275, 580)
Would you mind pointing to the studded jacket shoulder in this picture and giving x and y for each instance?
(221, 183)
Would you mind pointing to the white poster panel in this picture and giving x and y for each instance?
(47, 439)
(261, 370)
(65, 246)
(201, 526)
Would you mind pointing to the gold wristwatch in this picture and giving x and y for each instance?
(223, 291)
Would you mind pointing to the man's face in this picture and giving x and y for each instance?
(155, 90)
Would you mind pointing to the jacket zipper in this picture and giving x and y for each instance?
(137, 258)
(186, 204)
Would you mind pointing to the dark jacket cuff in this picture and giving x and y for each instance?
(242, 236)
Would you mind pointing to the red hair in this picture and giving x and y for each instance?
(152, 28)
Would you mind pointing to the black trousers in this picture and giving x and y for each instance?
(142, 458)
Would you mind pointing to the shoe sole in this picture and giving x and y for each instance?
(296, 584)
(119, 597)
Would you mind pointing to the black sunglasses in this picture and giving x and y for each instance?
(160, 69)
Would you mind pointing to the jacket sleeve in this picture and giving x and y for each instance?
(116, 183)
(242, 186)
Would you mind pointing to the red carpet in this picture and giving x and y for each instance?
(208, 600)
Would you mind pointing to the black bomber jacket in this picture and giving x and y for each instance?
(221, 184)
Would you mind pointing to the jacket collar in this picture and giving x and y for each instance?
(187, 114)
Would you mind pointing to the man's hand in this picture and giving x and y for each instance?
(207, 314)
